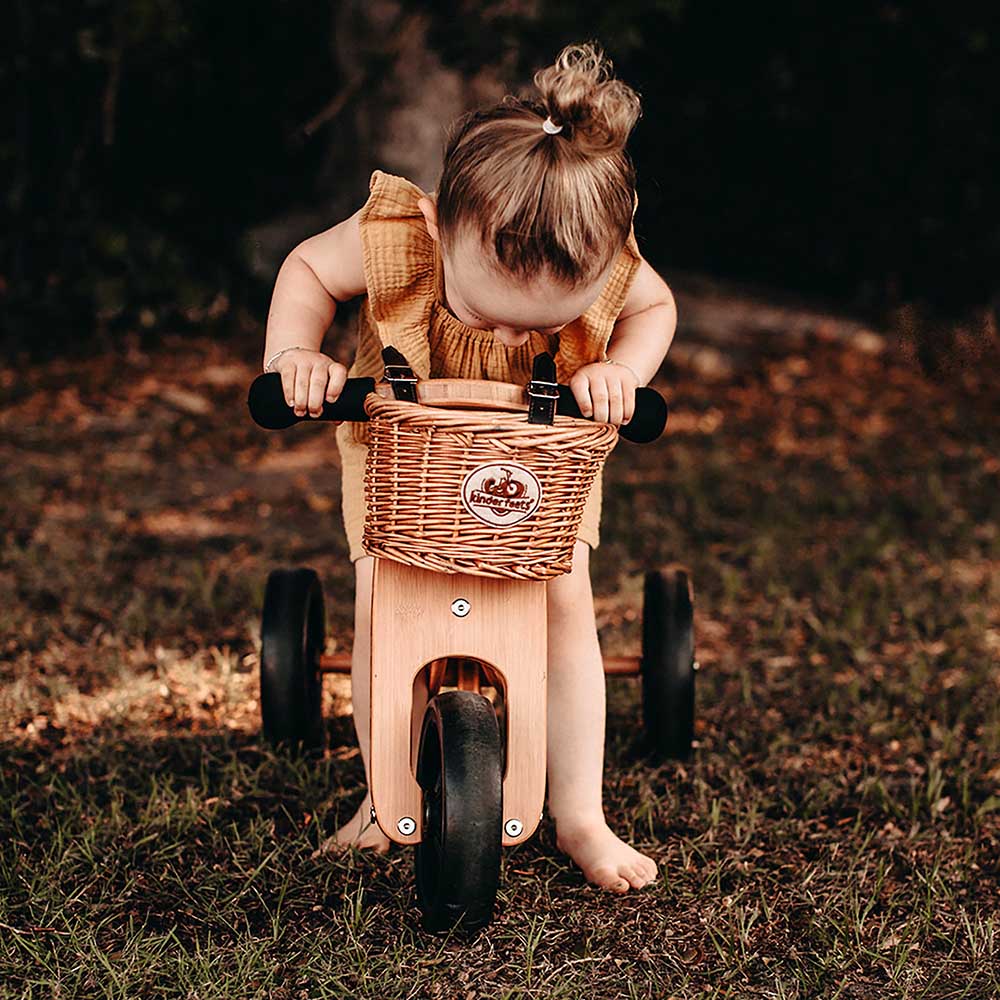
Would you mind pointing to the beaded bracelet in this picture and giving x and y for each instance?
(274, 357)
(611, 361)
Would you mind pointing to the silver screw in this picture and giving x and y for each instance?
(373, 813)
(460, 607)
(406, 825)
(695, 665)
(513, 827)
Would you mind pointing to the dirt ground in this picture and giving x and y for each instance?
(837, 832)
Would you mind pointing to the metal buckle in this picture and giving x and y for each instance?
(545, 390)
(542, 399)
(402, 380)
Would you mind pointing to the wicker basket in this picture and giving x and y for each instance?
(478, 491)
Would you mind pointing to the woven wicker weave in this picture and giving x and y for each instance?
(428, 493)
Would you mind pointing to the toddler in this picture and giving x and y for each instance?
(526, 246)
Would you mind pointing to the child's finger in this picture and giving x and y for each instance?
(581, 393)
(599, 394)
(317, 389)
(288, 384)
(628, 407)
(301, 394)
(616, 405)
(338, 376)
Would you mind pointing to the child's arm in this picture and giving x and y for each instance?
(639, 342)
(320, 272)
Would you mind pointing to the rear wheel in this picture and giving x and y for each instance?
(460, 771)
(667, 666)
(292, 638)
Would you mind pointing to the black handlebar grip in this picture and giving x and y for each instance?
(269, 409)
(648, 419)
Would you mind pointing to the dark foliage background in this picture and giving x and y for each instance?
(148, 135)
(846, 150)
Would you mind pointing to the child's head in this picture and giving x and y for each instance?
(536, 197)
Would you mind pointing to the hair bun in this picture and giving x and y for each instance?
(579, 91)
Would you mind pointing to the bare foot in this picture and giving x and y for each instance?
(360, 831)
(606, 860)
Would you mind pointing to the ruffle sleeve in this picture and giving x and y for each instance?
(399, 267)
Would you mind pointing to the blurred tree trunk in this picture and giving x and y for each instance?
(392, 114)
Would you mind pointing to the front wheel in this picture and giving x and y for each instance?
(667, 666)
(292, 635)
(460, 771)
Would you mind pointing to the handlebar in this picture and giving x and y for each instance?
(268, 408)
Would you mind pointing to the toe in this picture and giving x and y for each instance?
(328, 845)
(609, 878)
(635, 877)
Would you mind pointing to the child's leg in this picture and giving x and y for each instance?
(360, 831)
(576, 710)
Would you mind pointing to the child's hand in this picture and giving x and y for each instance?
(605, 391)
(309, 379)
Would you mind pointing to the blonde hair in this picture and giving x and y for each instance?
(556, 202)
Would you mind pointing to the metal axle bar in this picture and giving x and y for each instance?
(340, 663)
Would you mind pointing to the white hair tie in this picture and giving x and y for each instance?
(550, 127)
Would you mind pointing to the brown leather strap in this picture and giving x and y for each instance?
(543, 391)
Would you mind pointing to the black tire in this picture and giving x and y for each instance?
(459, 769)
(667, 666)
(292, 637)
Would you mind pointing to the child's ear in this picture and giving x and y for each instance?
(429, 211)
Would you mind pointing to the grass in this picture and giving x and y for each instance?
(836, 834)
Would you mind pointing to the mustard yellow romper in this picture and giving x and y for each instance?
(405, 308)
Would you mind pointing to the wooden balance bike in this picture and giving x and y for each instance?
(470, 509)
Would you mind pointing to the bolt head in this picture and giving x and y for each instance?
(407, 825)
(460, 607)
(513, 827)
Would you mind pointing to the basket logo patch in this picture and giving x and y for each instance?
(501, 495)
